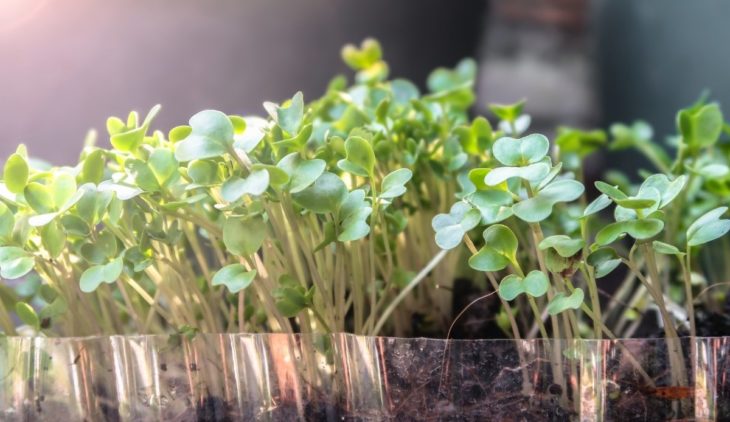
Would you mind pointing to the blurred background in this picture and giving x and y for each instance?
(65, 66)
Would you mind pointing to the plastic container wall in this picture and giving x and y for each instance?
(279, 377)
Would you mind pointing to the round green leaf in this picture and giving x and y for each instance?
(234, 277)
(700, 127)
(243, 237)
(53, 237)
(494, 205)
(179, 133)
(15, 173)
(93, 254)
(557, 264)
(194, 147)
(114, 125)
(56, 308)
(477, 177)
(612, 192)
(63, 189)
(213, 125)
(92, 205)
(563, 245)
(450, 228)
(709, 232)
(203, 172)
(540, 206)
(394, 183)
(708, 227)
(355, 230)
(500, 238)
(128, 140)
(15, 262)
(554, 171)
(665, 248)
(638, 229)
(580, 142)
(27, 315)
(536, 283)
(255, 184)
(298, 142)
(708, 217)
(521, 152)
(449, 237)
(91, 278)
(239, 124)
(107, 244)
(488, 259)
(597, 205)
(508, 112)
(668, 189)
(250, 138)
(324, 196)
(75, 225)
(611, 232)
(475, 139)
(359, 153)
(647, 199)
(510, 287)
(123, 191)
(7, 223)
(93, 167)
(531, 173)
(290, 300)
(42, 219)
(163, 165)
(289, 116)
(561, 302)
(39, 197)
(499, 250)
(211, 136)
(361, 58)
(603, 260)
(403, 91)
(639, 133)
(635, 203)
(712, 171)
(353, 213)
(94, 276)
(302, 173)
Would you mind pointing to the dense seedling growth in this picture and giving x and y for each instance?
(356, 211)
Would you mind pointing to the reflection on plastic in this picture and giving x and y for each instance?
(278, 377)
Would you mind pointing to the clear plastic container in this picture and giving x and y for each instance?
(341, 377)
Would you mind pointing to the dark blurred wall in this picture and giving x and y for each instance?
(67, 65)
(657, 56)
(541, 51)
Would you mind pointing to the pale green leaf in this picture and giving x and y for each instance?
(561, 302)
(235, 277)
(243, 237)
(255, 184)
(27, 315)
(15, 173)
(540, 206)
(394, 183)
(521, 152)
(15, 262)
(563, 245)
(324, 196)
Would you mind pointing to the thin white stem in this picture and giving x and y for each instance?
(412, 285)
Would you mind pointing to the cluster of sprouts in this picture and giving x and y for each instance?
(353, 212)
